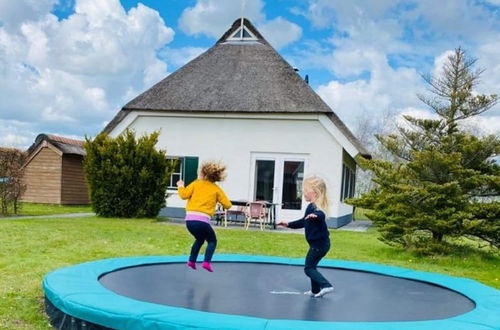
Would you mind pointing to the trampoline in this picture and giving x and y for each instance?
(257, 292)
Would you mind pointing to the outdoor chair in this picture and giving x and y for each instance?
(256, 211)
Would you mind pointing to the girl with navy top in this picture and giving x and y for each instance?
(316, 232)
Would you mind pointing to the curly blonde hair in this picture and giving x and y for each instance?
(213, 171)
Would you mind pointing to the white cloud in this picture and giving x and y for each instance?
(440, 61)
(386, 90)
(394, 91)
(367, 35)
(279, 32)
(487, 59)
(324, 13)
(180, 56)
(16, 134)
(213, 17)
(75, 73)
(15, 13)
(454, 19)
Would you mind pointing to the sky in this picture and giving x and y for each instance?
(68, 66)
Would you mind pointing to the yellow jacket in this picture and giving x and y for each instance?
(202, 196)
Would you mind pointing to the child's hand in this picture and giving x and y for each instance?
(311, 216)
(282, 223)
(180, 183)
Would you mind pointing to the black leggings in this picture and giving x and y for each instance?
(314, 256)
(202, 232)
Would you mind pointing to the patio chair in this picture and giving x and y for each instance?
(256, 211)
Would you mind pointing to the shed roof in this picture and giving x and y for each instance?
(64, 144)
(237, 76)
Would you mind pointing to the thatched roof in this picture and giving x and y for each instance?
(65, 145)
(235, 76)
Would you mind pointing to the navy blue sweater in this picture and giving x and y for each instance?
(315, 228)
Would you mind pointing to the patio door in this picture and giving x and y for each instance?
(277, 178)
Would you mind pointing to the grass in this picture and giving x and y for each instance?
(33, 247)
(359, 214)
(50, 209)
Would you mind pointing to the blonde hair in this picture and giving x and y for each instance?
(318, 185)
(213, 171)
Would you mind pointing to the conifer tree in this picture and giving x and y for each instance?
(444, 182)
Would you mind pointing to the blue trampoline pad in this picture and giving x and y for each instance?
(257, 292)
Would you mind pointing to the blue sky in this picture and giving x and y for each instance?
(67, 66)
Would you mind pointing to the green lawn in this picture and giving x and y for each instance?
(359, 214)
(49, 209)
(30, 248)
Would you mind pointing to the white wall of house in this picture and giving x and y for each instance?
(236, 139)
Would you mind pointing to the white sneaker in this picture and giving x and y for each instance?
(323, 292)
(309, 293)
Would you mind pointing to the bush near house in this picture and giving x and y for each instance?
(11, 174)
(126, 177)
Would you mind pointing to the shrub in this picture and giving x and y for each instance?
(126, 177)
(11, 176)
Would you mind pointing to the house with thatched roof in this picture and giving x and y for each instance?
(53, 172)
(241, 103)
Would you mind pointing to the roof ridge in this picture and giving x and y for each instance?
(65, 140)
(66, 145)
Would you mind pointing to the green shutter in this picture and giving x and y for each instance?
(190, 169)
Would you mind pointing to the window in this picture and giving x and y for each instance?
(247, 35)
(348, 182)
(186, 168)
(176, 174)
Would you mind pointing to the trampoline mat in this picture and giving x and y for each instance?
(275, 291)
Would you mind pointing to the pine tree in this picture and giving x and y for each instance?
(439, 185)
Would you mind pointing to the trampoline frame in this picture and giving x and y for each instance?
(76, 291)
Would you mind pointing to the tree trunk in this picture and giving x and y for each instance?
(437, 237)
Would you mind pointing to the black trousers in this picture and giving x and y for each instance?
(202, 232)
(314, 256)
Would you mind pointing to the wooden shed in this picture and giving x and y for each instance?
(54, 171)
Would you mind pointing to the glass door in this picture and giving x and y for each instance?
(264, 177)
(278, 179)
(291, 194)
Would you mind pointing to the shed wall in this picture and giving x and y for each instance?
(74, 186)
(43, 178)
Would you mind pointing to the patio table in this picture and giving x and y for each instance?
(271, 214)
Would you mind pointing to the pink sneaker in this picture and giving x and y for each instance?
(207, 266)
(192, 264)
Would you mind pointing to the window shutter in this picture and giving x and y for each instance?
(190, 169)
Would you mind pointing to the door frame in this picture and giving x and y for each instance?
(279, 161)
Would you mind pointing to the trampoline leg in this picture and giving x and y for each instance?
(62, 322)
